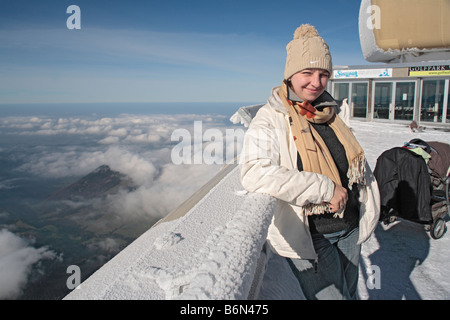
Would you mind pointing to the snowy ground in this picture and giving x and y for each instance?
(207, 253)
(411, 264)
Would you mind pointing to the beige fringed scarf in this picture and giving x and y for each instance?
(313, 151)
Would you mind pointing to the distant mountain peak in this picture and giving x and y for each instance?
(102, 168)
(98, 183)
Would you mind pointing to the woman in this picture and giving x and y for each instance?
(299, 150)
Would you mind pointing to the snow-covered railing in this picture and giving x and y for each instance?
(235, 260)
(213, 251)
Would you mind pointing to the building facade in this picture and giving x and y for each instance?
(396, 92)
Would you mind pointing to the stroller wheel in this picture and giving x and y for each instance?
(438, 228)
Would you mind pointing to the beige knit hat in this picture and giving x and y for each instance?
(307, 50)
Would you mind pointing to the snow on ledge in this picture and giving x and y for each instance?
(228, 270)
(212, 252)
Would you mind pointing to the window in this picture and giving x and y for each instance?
(341, 90)
(404, 100)
(382, 100)
(359, 99)
(432, 100)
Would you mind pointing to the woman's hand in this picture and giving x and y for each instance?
(339, 199)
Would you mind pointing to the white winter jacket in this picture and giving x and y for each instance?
(269, 165)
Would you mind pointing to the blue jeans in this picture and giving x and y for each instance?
(336, 274)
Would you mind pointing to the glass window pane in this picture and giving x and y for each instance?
(359, 99)
(382, 100)
(404, 100)
(432, 100)
(341, 90)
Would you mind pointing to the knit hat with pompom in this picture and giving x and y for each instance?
(307, 50)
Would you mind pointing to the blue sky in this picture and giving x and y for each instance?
(153, 51)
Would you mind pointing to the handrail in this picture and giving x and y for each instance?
(238, 254)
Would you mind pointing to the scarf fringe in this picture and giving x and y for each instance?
(316, 209)
(356, 174)
(313, 208)
(357, 171)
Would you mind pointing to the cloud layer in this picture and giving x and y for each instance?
(17, 257)
(137, 146)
